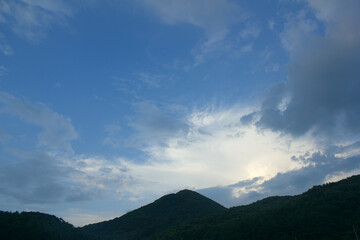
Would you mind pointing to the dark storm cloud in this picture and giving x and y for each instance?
(324, 87)
(322, 91)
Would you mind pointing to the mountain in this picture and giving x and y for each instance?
(164, 213)
(330, 211)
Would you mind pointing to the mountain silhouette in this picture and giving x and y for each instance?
(36, 226)
(166, 212)
(329, 211)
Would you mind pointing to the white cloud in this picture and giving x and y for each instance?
(217, 150)
(320, 167)
(98, 173)
(319, 103)
(334, 177)
(209, 15)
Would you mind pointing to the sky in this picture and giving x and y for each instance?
(107, 105)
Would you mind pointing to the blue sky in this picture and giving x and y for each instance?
(107, 105)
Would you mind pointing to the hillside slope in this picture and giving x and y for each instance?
(36, 226)
(166, 212)
(330, 211)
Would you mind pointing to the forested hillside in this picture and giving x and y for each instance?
(164, 213)
(36, 226)
(331, 211)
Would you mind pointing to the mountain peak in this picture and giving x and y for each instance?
(186, 196)
(167, 211)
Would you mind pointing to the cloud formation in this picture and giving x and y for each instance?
(30, 18)
(214, 17)
(301, 130)
(321, 94)
(154, 125)
(57, 129)
(214, 148)
(305, 131)
(5, 48)
(211, 16)
(35, 178)
(319, 101)
(331, 165)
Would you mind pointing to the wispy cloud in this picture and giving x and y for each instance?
(214, 17)
(138, 82)
(251, 30)
(154, 126)
(247, 48)
(271, 24)
(31, 18)
(3, 70)
(113, 138)
(57, 129)
(211, 16)
(5, 48)
(38, 177)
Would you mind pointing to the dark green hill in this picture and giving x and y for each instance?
(330, 211)
(164, 213)
(36, 226)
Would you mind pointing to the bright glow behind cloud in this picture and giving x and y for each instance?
(219, 150)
